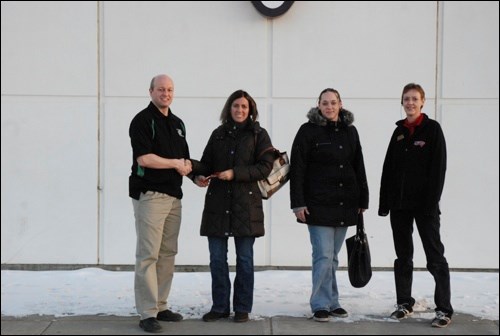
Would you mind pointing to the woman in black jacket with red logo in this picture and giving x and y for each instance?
(411, 187)
(328, 190)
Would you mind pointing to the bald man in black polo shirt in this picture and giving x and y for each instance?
(160, 160)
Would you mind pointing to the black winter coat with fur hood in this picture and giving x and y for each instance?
(327, 171)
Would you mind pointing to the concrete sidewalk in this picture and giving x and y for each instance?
(462, 324)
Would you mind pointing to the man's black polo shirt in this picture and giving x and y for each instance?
(152, 132)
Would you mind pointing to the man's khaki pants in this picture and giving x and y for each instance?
(157, 224)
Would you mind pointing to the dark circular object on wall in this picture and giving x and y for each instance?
(267, 9)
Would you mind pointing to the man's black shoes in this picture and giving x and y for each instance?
(169, 316)
(150, 325)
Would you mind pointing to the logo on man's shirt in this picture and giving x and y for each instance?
(180, 132)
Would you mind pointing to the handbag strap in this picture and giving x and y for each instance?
(360, 227)
(267, 150)
(271, 148)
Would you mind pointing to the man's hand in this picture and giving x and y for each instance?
(183, 166)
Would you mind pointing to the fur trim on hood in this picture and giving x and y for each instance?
(314, 116)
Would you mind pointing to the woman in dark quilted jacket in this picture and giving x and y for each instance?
(328, 189)
(230, 166)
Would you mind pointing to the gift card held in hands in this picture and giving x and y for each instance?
(208, 178)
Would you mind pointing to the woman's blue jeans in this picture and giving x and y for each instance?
(221, 283)
(326, 242)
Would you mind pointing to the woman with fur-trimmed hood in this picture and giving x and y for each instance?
(328, 190)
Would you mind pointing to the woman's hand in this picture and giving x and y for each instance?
(301, 215)
(226, 175)
(201, 181)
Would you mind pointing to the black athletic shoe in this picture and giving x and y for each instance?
(150, 325)
(402, 311)
(441, 320)
(212, 316)
(169, 316)
(322, 316)
(339, 312)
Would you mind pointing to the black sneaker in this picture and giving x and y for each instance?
(339, 312)
(240, 317)
(441, 320)
(212, 316)
(150, 325)
(321, 316)
(402, 311)
(169, 316)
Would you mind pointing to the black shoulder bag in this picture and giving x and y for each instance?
(358, 256)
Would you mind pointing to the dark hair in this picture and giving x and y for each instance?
(253, 114)
(413, 86)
